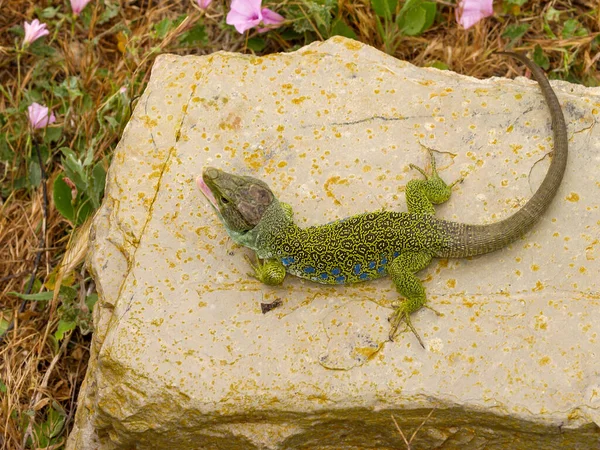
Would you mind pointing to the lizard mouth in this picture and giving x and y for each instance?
(206, 191)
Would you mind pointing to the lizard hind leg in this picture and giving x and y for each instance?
(402, 271)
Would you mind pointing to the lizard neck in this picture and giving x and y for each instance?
(274, 221)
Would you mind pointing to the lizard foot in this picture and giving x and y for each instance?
(399, 316)
(438, 189)
(271, 272)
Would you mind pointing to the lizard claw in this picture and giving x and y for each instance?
(255, 267)
(434, 173)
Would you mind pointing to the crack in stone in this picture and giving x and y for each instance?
(136, 241)
(185, 113)
(369, 119)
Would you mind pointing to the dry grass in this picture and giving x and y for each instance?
(37, 371)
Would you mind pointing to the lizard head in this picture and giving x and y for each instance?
(240, 201)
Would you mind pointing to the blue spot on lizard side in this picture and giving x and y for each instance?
(288, 260)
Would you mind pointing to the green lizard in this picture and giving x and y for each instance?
(372, 245)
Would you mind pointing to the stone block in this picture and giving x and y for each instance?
(182, 356)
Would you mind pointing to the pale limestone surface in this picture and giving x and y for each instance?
(182, 355)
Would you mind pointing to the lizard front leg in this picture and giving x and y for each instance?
(269, 271)
(402, 271)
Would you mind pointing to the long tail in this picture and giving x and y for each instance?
(470, 240)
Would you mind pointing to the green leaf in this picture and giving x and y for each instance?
(112, 122)
(89, 154)
(110, 10)
(2, 387)
(71, 85)
(289, 34)
(98, 182)
(83, 210)
(53, 134)
(74, 169)
(439, 65)
(35, 174)
(195, 35)
(6, 154)
(61, 193)
(87, 103)
(91, 300)
(412, 21)
(19, 183)
(321, 12)
(552, 15)
(430, 11)
(48, 432)
(4, 324)
(68, 293)
(548, 31)
(380, 29)
(17, 30)
(515, 32)
(38, 48)
(572, 28)
(312, 14)
(340, 28)
(408, 4)
(163, 27)
(102, 72)
(384, 8)
(39, 296)
(540, 59)
(64, 327)
(37, 285)
(55, 423)
(48, 13)
(516, 2)
(256, 44)
(416, 16)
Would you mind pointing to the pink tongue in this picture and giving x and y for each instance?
(205, 190)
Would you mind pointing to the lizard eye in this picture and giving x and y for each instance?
(224, 200)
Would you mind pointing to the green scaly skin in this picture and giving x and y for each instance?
(371, 245)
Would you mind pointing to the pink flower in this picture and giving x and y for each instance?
(204, 4)
(246, 14)
(270, 18)
(78, 5)
(38, 116)
(34, 31)
(469, 12)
